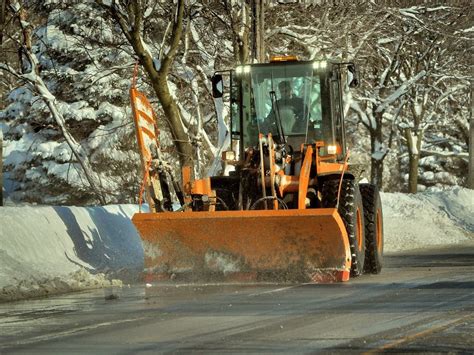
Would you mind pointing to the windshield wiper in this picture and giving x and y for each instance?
(276, 112)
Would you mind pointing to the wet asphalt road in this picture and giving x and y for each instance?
(422, 301)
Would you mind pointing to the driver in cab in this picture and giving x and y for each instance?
(291, 111)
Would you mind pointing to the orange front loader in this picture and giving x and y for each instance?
(286, 207)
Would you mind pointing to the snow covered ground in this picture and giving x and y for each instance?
(46, 250)
(428, 219)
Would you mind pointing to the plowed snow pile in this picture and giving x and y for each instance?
(428, 219)
(46, 250)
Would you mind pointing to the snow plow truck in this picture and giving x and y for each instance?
(286, 206)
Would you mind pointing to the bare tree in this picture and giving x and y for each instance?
(130, 17)
(381, 43)
(192, 142)
(431, 51)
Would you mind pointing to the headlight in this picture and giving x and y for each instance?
(228, 155)
(242, 69)
(320, 64)
(332, 149)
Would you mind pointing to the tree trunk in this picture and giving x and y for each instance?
(377, 157)
(413, 173)
(75, 147)
(376, 172)
(171, 110)
(159, 76)
(414, 148)
(240, 23)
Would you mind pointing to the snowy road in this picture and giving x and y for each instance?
(423, 300)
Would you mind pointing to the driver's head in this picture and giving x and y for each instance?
(285, 88)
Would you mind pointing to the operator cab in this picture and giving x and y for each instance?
(297, 102)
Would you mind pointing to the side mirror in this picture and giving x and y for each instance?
(353, 76)
(217, 86)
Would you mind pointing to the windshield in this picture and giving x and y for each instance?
(285, 100)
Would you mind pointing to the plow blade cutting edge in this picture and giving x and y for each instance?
(263, 245)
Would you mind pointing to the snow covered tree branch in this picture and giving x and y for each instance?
(30, 75)
(428, 54)
(131, 22)
(414, 65)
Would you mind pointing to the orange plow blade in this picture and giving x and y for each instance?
(263, 245)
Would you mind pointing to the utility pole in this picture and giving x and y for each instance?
(470, 177)
(1, 168)
(258, 24)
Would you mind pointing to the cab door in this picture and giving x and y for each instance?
(337, 111)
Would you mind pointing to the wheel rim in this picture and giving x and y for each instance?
(378, 228)
(359, 230)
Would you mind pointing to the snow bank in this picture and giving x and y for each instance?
(32, 286)
(428, 219)
(45, 250)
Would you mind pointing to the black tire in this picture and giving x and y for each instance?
(373, 219)
(351, 211)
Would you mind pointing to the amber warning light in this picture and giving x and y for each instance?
(283, 58)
